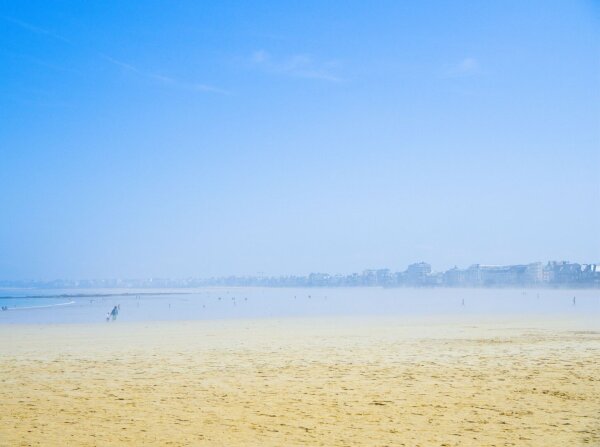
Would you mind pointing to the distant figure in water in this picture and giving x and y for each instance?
(574, 301)
(463, 302)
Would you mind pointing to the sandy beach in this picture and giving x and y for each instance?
(470, 381)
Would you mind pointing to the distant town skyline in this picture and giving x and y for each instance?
(420, 274)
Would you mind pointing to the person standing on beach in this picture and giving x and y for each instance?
(114, 313)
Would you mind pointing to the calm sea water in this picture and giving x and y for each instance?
(230, 303)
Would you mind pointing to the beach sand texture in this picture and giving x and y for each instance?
(329, 382)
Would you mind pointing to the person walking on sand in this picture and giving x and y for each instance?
(114, 313)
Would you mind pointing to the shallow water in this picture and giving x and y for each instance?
(232, 303)
(20, 303)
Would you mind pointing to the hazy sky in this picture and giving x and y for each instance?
(163, 138)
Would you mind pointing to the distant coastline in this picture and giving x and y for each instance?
(554, 274)
(91, 295)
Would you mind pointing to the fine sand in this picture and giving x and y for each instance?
(330, 382)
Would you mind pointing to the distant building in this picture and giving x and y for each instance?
(318, 279)
(369, 278)
(416, 274)
(473, 275)
(384, 277)
(534, 273)
(564, 272)
(497, 275)
(455, 277)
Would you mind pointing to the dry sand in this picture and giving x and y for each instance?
(330, 382)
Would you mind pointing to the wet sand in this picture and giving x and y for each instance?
(332, 382)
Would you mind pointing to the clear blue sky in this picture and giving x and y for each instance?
(186, 138)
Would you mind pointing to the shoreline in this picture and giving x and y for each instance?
(436, 319)
(92, 295)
